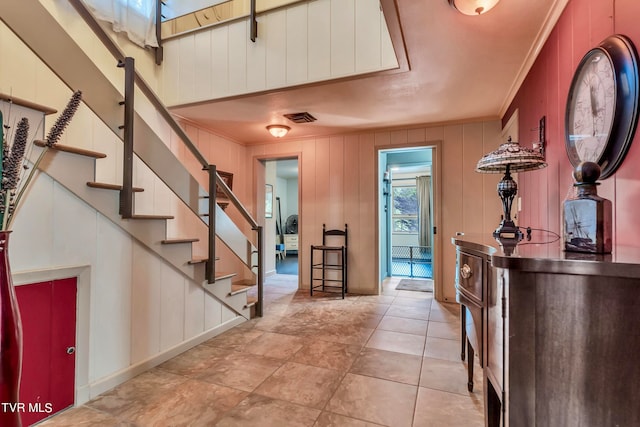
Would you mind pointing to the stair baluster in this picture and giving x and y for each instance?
(210, 269)
(126, 194)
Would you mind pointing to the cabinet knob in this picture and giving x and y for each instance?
(71, 350)
(466, 271)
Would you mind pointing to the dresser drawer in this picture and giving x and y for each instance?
(469, 276)
(291, 242)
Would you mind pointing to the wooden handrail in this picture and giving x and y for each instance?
(227, 191)
(120, 56)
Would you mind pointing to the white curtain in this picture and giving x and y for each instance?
(425, 227)
(134, 17)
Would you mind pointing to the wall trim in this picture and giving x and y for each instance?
(541, 38)
(107, 383)
(257, 183)
(82, 273)
(85, 391)
(436, 176)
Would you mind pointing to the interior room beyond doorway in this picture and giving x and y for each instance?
(407, 213)
(286, 216)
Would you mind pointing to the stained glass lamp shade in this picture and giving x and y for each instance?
(509, 157)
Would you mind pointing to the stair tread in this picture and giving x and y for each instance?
(179, 240)
(238, 288)
(245, 282)
(152, 217)
(24, 103)
(200, 260)
(221, 275)
(251, 301)
(73, 150)
(106, 186)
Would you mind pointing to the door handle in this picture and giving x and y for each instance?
(71, 350)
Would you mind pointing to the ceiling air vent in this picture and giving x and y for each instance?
(300, 117)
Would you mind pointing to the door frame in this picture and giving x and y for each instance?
(83, 295)
(258, 197)
(436, 161)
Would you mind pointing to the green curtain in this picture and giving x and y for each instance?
(425, 227)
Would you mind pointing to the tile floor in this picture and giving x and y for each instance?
(390, 360)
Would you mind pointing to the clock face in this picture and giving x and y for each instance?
(592, 109)
(602, 107)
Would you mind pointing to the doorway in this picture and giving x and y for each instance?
(407, 220)
(48, 312)
(283, 177)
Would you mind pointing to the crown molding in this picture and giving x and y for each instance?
(541, 38)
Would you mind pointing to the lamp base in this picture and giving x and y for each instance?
(508, 230)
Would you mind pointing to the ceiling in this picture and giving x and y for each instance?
(461, 68)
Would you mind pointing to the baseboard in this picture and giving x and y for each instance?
(86, 393)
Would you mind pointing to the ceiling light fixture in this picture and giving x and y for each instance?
(278, 130)
(473, 7)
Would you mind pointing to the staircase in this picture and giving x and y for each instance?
(75, 168)
(149, 229)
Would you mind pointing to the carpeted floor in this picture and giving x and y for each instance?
(289, 265)
(415, 285)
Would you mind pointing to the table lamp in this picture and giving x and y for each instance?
(509, 157)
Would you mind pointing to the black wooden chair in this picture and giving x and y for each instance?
(329, 262)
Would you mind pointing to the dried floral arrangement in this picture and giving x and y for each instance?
(13, 162)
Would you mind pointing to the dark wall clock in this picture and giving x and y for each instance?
(602, 107)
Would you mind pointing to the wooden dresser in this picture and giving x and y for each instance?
(290, 243)
(473, 267)
(560, 334)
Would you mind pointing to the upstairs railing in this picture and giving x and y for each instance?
(132, 79)
(179, 16)
(168, 12)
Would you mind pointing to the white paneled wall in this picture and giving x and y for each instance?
(303, 43)
(173, 307)
(270, 223)
(139, 309)
(145, 296)
(342, 36)
(318, 42)
(111, 310)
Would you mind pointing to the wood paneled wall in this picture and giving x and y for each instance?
(339, 184)
(306, 42)
(582, 26)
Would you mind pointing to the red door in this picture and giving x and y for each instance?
(48, 312)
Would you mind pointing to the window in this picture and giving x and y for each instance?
(143, 7)
(405, 208)
(134, 17)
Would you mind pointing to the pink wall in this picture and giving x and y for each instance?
(582, 26)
